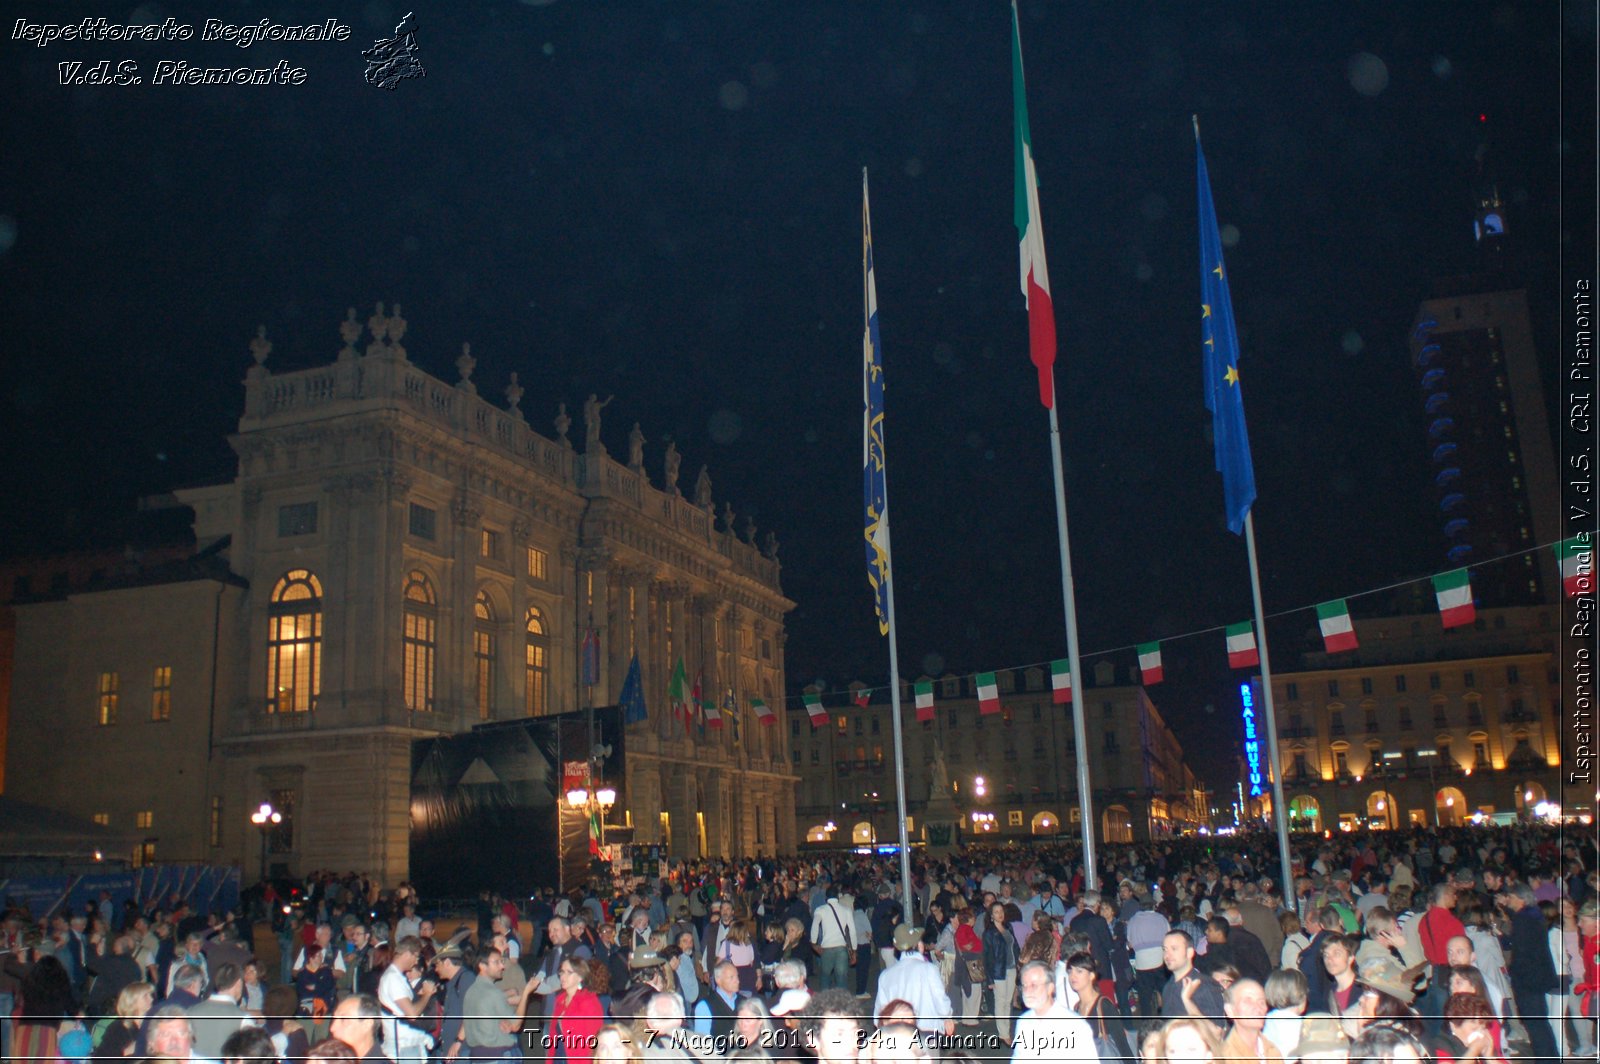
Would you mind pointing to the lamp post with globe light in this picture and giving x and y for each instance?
(265, 818)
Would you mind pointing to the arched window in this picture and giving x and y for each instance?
(1117, 824)
(538, 665)
(483, 654)
(420, 640)
(294, 643)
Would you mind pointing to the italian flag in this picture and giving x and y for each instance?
(713, 714)
(1338, 634)
(988, 693)
(863, 696)
(678, 695)
(1576, 556)
(1150, 663)
(1030, 233)
(1061, 681)
(594, 832)
(819, 716)
(924, 692)
(763, 711)
(1242, 645)
(1454, 592)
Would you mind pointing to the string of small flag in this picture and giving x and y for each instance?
(1452, 594)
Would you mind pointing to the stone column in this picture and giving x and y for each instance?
(595, 573)
(454, 675)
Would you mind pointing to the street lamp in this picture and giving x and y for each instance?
(266, 819)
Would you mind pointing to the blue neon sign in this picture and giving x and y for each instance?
(1252, 743)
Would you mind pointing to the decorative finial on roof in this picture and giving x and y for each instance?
(464, 366)
(397, 330)
(379, 325)
(514, 396)
(350, 331)
(260, 347)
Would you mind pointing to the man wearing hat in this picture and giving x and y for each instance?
(914, 979)
(648, 970)
(456, 972)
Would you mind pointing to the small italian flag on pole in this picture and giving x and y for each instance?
(1061, 681)
(713, 714)
(863, 696)
(1338, 634)
(1150, 663)
(763, 711)
(1242, 645)
(819, 716)
(988, 693)
(1454, 592)
(1576, 556)
(924, 692)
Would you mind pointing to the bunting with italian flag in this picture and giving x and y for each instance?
(1576, 556)
(819, 716)
(988, 693)
(763, 711)
(924, 693)
(1338, 634)
(713, 714)
(863, 697)
(1454, 592)
(1061, 681)
(1242, 652)
(1150, 663)
(1030, 233)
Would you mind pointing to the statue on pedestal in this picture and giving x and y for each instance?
(591, 423)
(669, 470)
(636, 448)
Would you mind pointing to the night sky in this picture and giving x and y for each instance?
(662, 201)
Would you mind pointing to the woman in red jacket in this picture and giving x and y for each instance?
(575, 1016)
(1588, 991)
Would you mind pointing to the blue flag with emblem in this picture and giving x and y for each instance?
(632, 699)
(1221, 347)
(872, 456)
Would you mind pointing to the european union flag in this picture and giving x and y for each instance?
(872, 456)
(1221, 346)
(632, 699)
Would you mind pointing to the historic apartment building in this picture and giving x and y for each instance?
(1425, 725)
(1025, 756)
(398, 558)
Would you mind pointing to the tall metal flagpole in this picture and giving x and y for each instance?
(1091, 876)
(1035, 278)
(1280, 815)
(869, 299)
(1232, 444)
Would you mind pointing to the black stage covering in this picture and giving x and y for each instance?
(488, 807)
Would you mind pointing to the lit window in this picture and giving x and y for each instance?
(106, 704)
(536, 665)
(145, 854)
(422, 521)
(1014, 818)
(538, 564)
(145, 818)
(294, 643)
(483, 654)
(214, 829)
(489, 543)
(420, 619)
(297, 519)
(103, 819)
(844, 724)
(161, 693)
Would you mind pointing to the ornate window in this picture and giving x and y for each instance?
(106, 703)
(294, 643)
(161, 693)
(537, 665)
(483, 654)
(420, 642)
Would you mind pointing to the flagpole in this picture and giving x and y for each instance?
(894, 653)
(1091, 876)
(1280, 815)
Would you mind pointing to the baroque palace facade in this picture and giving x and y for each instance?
(399, 558)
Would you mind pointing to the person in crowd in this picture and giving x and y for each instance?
(357, 1021)
(665, 1036)
(575, 1015)
(833, 938)
(1188, 1040)
(220, 1014)
(1295, 941)
(832, 1029)
(1245, 1005)
(615, 1044)
(1105, 1024)
(1000, 966)
(117, 1038)
(1339, 962)
(914, 979)
(1383, 1044)
(290, 1032)
(1286, 1004)
(170, 1035)
(488, 1025)
(714, 1013)
(1531, 969)
(248, 1045)
(1465, 1036)
(970, 971)
(1190, 991)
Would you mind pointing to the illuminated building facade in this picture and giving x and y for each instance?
(398, 558)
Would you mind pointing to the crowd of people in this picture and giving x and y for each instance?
(1478, 944)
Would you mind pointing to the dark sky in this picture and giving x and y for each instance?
(662, 201)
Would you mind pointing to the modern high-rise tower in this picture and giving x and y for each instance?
(1493, 465)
